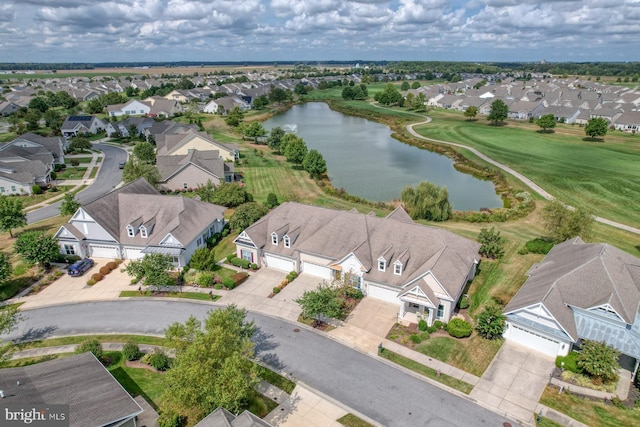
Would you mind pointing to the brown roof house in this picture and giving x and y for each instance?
(579, 291)
(135, 220)
(422, 269)
(192, 169)
(94, 397)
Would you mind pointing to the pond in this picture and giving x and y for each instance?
(367, 162)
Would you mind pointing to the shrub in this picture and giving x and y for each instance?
(97, 277)
(464, 302)
(92, 345)
(54, 175)
(415, 338)
(74, 162)
(599, 361)
(218, 286)
(112, 265)
(438, 324)
(104, 270)
(422, 325)
(36, 189)
(538, 246)
(159, 360)
(570, 362)
(239, 262)
(254, 266)
(134, 280)
(91, 282)
(170, 420)
(432, 329)
(459, 328)
(230, 257)
(424, 335)
(131, 351)
(228, 283)
(352, 292)
(205, 279)
(293, 275)
(276, 290)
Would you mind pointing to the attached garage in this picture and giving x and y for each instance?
(382, 293)
(279, 263)
(133, 253)
(110, 252)
(317, 270)
(533, 340)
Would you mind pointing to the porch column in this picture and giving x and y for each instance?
(430, 320)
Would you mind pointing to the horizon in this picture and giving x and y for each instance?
(483, 31)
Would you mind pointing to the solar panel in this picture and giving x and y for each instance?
(79, 118)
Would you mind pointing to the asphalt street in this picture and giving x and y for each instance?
(381, 392)
(107, 179)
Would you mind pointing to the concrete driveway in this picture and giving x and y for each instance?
(515, 380)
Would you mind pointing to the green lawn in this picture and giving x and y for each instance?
(276, 379)
(187, 295)
(80, 159)
(72, 173)
(119, 338)
(600, 175)
(137, 381)
(472, 355)
(426, 371)
(351, 420)
(34, 199)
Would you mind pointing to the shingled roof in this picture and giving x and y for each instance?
(94, 397)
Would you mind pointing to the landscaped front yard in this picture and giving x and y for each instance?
(72, 173)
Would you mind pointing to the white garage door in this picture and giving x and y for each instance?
(279, 263)
(382, 293)
(532, 340)
(317, 270)
(131, 253)
(104, 252)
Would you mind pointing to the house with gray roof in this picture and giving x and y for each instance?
(79, 125)
(135, 220)
(192, 169)
(579, 291)
(421, 269)
(94, 396)
(223, 418)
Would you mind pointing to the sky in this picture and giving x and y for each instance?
(316, 30)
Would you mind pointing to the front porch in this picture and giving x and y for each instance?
(412, 310)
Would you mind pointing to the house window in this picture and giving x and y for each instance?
(382, 265)
(354, 280)
(13, 188)
(185, 185)
(143, 231)
(1, 189)
(247, 255)
(287, 242)
(397, 268)
(274, 239)
(69, 249)
(130, 231)
(440, 312)
(199, 241)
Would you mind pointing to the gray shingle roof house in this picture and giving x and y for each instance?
(134, 220)
(223, 418)
(181, 143)
(94, 397)
(422, 269)
(579, 291)
(193, 169)
(78, 125)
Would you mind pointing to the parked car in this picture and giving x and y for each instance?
(78, 268)
(121, 165)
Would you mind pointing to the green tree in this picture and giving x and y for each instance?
(135, 169)
(324, 301)
(94, 106)
(203, 259)
(260, 102)
(90, 345)
(206, 191)
(405, 85)
(415, 85)
(37, 247)
(427, 201)
(5, 268)
(79, 144)
(314, 163)
(563, 223)
(389, 96)
(272, 201)
(279, 95)
(230, 195)
(491, 243)
(234, 117)
(471, 112)
(246, 214)
(254, 130)
(420, 103)
(12, 214)
(596, 127)
(301, 89)
(599, 361)
(33, 119)
(490, 323)
(69, 204)
(275, 138)
(53, 119)
(153, 268)
(499, 112)
(145, 152)
(9, 318)
(212, 366)
(546, 122)
(39, 103)
(295, 150)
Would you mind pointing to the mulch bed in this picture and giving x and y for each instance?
(140, 365)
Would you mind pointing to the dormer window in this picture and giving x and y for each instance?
(287, 242)
(274, 239)
(397, 268)
(130, 231)
(382, 265)
(143, 231)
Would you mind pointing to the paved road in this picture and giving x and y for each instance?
(377, 390)
(108, 178)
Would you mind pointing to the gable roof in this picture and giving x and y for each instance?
(208, 160)
(582, 275)
(168, 143)
(223, 418)
(139, 203)
(335, 234)
(52, 144)
(67, 381)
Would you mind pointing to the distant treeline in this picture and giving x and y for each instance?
(556, 68)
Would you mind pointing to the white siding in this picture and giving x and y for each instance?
(11, 187)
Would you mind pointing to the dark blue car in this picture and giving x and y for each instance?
(78, 268)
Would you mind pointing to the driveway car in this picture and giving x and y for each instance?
(121, 165)
(78, 268)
